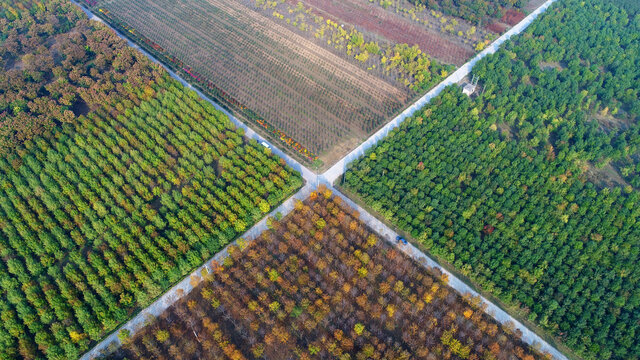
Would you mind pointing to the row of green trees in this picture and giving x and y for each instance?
(524, 227)
(573, 74)
(500, 185)
(103, 216)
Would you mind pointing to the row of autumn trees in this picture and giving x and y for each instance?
(498, 185)
(319, 285)
(56, 65)
(103, 215)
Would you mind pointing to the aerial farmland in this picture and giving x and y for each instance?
(321, 285)
(320, 179)
(316, 76)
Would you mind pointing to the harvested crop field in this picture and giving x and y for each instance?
(309, 94)
(321, 285)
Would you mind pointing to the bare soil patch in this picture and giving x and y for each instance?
(497, 27)
(339, 150)
(610, 123)
(506, 130)
(607, 176)
(550, 65)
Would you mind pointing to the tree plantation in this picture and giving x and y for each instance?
(56, 65)
(499, 185)
(101, 217)
(321, 285)
(118, 185)
(571, 83)
(100, 214)
(526, 228)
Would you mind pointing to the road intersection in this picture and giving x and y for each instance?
(328, 178)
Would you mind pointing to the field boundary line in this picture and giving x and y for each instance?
(501, 316)
(184, 287)
(339, 168)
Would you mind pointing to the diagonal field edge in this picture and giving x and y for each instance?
(340, 167)
(184, 287)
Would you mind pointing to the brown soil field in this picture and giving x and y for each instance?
(497, 27)
(393, 27)
(312, 95)
(321, 285)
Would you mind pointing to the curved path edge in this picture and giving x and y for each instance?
(340, 167)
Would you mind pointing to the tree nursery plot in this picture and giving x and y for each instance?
(56, 65)
(426, 32)
(100, 214)
(320, 284)
(296, 85)
(103, 216)
(497, 185)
